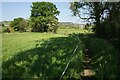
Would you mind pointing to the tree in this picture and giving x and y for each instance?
(106, 18)
(23, 25)
(91, 12)
(19, 24)
(43, 17)
(102, 14)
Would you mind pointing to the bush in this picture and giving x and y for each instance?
(104, 59)
(9, 30)
(19, 24)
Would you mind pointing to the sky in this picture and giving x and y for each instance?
(11, 10)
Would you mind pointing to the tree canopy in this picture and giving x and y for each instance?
(106, 18)
(43, 17)
(102, 14)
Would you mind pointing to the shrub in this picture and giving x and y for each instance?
(9, 30)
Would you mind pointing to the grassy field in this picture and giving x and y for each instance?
(19, 49)
(70, 31)
(37, 55)
(16, 42)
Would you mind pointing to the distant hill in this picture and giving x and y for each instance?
(6, 23)
(66, 23)
(71, 24)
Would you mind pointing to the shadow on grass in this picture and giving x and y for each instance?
(47, 60)
(105, 58)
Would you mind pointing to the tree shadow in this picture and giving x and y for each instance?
(47, 60)
(104, 58)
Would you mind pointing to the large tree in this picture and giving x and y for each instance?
(43, 17)
(102, 14)
(106, 17)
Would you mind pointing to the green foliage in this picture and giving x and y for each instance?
(53, 24)
(107, 25)
(102, 14)
(19, 24)
(9, 30)
(43, 17)
(43, 9)
(104, 58)
(23, 26)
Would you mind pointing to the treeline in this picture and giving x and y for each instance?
(42, 19)
(70, 25)
(18, 24)
(23, 25)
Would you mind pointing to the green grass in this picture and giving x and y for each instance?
(70, 31)
(2, 29)
(32, 59)
(104, 58)
(14, 44)
(17, 42)
(45, 55)
(0, 54)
